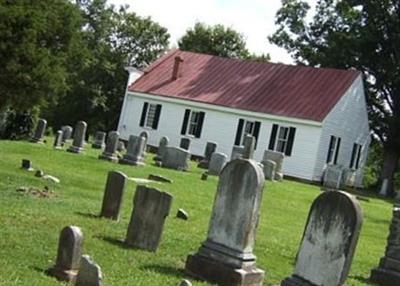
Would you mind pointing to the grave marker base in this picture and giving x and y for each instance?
(62, 274)
(109, 157)
(74, 149)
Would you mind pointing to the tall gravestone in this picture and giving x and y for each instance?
(145, 135)
(68, 254)
(99, 140)
(79, 138)
(217, 163)
(58, 143)
(277, 157)
(329, 241)
(269, 168)
(135, 151)
(39, 131)
(110, 152)
(185, 143)
(164, 141)
(248, 148)
(150, 208)
(113, 195)
(89, 273)
(176, 158)
(226, 256)
(388, 271)
(237, 152)
(211, 147)
(67, 132)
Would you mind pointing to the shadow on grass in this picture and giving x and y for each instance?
(362, 279)
(168, 270)
(38, 269)
(112, 240)
(368, 194)
(88, 215)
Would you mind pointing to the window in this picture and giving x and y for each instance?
(282, 139)
(150, 115)
(333, 150)
(355, 156)
(192, 123)
(246, 127)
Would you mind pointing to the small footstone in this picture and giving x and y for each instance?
(39, 173)
(204, 176)
(182, 214)
(158, 163)
(89, 273)
(27, 165)
(185, 283)
(159, 178)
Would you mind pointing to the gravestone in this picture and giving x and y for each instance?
(164, 141)
(27, 165)
(146, 136)
(39, 131)
(329, 241)
(388, 271)
(226, 256)
(249, 145)
(176, 158)
(68, 255)
(185, 143)
(334, 177)
(269, 169)
(277, 157)
(237, 152)
(135, 152)
(79, 138)
(89, 273)
(58, 140)
(217, 163)
(150, 208)
(211, 147)
(67, 132)
(121, 146)
(113, 195)
(110, 152)
(99, 140)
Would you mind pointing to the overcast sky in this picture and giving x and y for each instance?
(254, 19)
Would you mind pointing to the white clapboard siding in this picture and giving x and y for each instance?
(349, 121)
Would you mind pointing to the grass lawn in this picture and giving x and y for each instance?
(30, 226)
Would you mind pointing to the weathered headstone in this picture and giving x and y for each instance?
(113, 195)
(211, 147)
(185, 143)
(277, 157)
(176, 158)
(145, 135)
(217, 163)
(39, 131)
(334, 177)
(67, 132)
(135, 152)
(121, 146)
(79, 138)
(58, 143)
(89, 273)
(99, 140)
(159, 178)
(27, 165)
(68, 255)
(226, 256)
(237, 152)
(269, 169)
(328, 242)
(388, 271)
(150, 208)
(161, 148)
(249, 145)
(110, 152)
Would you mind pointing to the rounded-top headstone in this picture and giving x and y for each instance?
(39, 131)
(69, 248)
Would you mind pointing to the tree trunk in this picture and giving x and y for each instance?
(390, 163)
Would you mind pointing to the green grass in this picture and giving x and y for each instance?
(30, 226)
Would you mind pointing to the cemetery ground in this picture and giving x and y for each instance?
(30, 225)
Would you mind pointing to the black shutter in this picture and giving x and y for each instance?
(353, 155)
(337, 149)
(273, 137)
(289, 147)
(156, 116)
(330, 154)
(200, 125)
(358, 157)
(239, 132)
(256, 131)
(185, 121)
(144, 112)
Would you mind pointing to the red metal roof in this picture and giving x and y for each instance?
(278, 89)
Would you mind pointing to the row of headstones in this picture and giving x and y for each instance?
(226, 256)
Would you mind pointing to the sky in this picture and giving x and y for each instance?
(254, 19)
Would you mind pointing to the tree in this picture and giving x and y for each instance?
(353, 34)
(214, 40)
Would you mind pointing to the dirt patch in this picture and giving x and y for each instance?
(45, 193)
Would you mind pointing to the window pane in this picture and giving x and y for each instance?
(194, 122)
(248, 130)
(151, 113)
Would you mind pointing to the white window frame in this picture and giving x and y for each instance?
(249, 125)
(282, 139)
(148, 122)
(193, 124)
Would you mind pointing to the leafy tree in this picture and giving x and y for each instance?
(353, 34)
